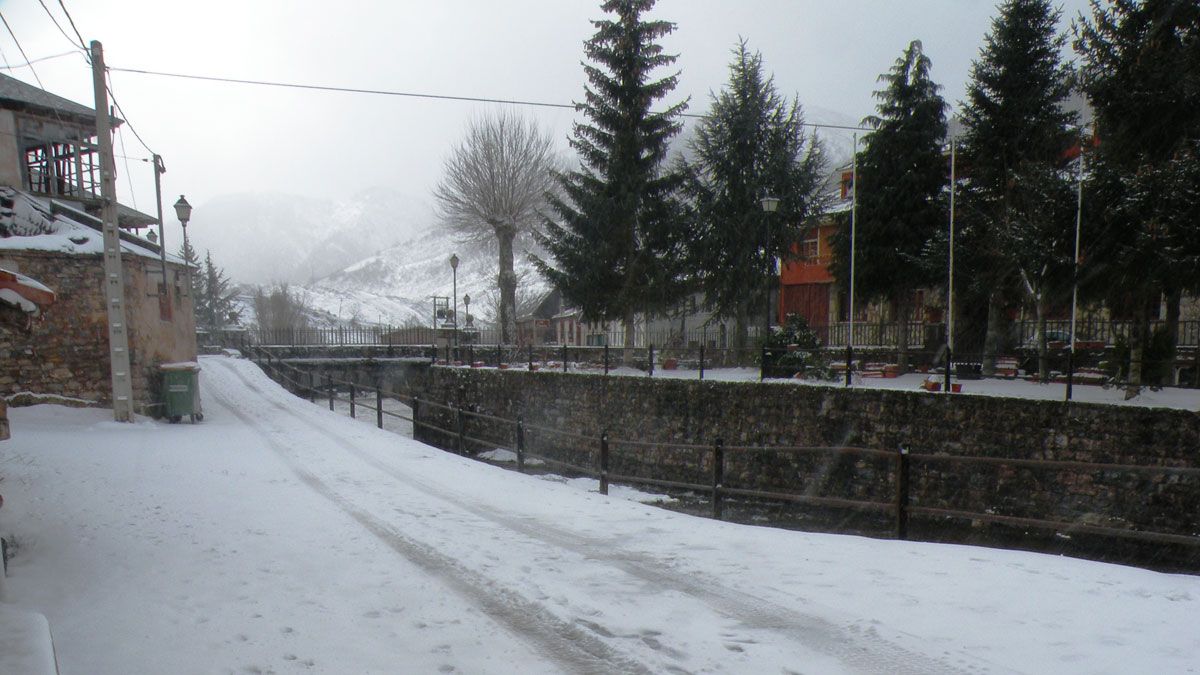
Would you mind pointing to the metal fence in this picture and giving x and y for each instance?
(720, 470)
(1024, 335)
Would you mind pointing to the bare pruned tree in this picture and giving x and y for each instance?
(493, 186)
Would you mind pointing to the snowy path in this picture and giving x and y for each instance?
(280, 537)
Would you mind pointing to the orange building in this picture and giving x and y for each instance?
(806, 284)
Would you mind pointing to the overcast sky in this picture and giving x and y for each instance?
(224, 138)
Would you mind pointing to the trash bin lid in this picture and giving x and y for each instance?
(181, 365)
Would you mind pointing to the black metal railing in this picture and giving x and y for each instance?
(875, 481)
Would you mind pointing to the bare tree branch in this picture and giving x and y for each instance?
(493, 186)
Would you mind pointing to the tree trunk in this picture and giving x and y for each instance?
(741, 332)
(630, 339)
(995, 335)
(507, 280)
(1172, 327)
(903, 310)
(1138, 338)
(1043, 350)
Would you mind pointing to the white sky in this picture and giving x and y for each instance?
(223, 138)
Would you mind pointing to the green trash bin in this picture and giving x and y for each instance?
(181, 391)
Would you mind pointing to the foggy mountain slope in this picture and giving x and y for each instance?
(263, 238)
(396, 286)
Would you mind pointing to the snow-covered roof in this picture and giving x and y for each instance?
(18, 95)
(24, 293)
(29, 223)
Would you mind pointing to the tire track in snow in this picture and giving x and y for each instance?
(562, 643)
(861, 651)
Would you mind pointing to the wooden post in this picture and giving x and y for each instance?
(416, 415)
(850, 357)
(461, 424)
(378, 407)
(564, 358)
(604, 463)
(606, 355)
(902, 493)
(312, 389)
(520, 445)
(651, 363)
(329, 387)
(718, 476)
(531, 357)
(702, 361)
(949, 368)
(762, 365)
(352, 411)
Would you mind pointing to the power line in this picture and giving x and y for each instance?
(22, 50)
(128, 175)
(56, 24)
(128, 123)
(38, 60)
(406, 94)
(82, 42)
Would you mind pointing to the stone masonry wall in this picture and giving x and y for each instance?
(67, 352)
(648, 411)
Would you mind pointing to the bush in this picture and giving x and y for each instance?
(794, 350)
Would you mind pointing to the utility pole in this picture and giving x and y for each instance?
(114, 278)
(159, 170)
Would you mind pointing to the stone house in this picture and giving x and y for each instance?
(49, 230)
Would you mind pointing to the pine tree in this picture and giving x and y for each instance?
(218, 305)
(1019, 198)
(751, 144)
(901, 180)
(1141, 72)
(195, 278)
(617, 234)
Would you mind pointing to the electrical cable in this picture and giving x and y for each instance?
(56, 24)
(406, 94)
(22, 50)
(37, 60)
(82, 42)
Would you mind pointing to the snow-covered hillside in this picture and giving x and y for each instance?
(395, 287)
(262, 238)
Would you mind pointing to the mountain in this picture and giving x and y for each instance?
(264, 238)
(396, 286)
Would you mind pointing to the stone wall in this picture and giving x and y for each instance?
(67, 352)
(644, 412)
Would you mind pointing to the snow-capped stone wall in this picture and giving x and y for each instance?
(66, 354)
(644, 410)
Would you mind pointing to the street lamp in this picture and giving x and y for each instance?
(769, 205)
(454, 316)
(183, 211)
(467, 310)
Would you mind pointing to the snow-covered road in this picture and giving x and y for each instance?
(280, 537)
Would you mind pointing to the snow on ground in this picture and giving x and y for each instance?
(277, 536)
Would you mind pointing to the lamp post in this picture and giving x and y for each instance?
(466, 310)
(769, 205)
(183, 211)
(454, 316)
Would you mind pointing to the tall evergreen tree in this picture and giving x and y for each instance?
(901, 181)
(217, 306)
(616, 237)
(195, 278)
(751, 144)
(1141, 72)
(1019, 198)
